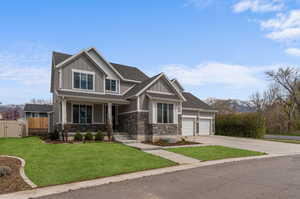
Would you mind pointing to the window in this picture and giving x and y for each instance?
(83, 81)
(111, 85)
(82, 114)
(165, 113)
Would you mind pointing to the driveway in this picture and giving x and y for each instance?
(261, 179)
(250, 144)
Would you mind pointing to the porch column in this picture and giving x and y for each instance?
(109, 113)
(63, 112)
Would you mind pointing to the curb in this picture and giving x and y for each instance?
(50, 190)
(22, 171)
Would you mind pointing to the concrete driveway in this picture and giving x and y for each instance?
(250, 144)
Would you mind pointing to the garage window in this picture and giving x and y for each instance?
(165, 113)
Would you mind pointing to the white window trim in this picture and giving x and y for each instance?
(174, 112)
(117, 86)
(84, 72)
(78, 103)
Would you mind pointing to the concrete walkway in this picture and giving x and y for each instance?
(250, 144)
(175, 157)
(143, 147)
(284, 137)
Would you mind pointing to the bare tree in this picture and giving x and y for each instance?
(257, 101)
(287, 80)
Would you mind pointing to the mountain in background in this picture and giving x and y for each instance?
(230, 105)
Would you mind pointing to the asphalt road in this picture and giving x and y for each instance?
(274, 178)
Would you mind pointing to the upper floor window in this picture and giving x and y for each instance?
(111, 85)
(165, 113)
(83, 80)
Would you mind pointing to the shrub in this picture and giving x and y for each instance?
(88, 136)
(5, 171)
(78, 137)
(54, 135)
(240, 125)
(99, 136)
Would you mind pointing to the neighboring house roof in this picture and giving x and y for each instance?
(194, 102)
(128, 72)
(42, 108)
(92, 95)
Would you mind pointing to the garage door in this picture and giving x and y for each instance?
(187, 126)
(204, 126)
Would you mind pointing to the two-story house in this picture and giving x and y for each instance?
(89, 91)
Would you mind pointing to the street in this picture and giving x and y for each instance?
(274, 178)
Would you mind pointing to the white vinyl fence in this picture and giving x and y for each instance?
(12, 128)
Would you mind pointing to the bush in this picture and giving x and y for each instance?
(241, 125)
(99, 136)
(88, 136)
(78, 137)
(5, 171)
(54, 135)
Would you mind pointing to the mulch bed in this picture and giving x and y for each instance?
(13, 182)
(179, 143)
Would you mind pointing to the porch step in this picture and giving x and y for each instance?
(124, 138)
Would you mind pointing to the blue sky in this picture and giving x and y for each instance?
(216, 48)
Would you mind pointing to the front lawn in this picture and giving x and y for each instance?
(49, 164)
(206, 153)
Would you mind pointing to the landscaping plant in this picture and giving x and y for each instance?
(78, 136)
(99, 136)
(88, 136)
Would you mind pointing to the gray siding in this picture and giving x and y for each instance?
(205, 114)
(161, 86)
(82, 63)
(56, 109)
(186, 112)
(130, 107)
(144, 102)
(124, 86)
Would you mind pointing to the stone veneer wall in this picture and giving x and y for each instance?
(135, 124)
(81, 127)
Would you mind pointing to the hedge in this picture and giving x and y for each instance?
(240, 125)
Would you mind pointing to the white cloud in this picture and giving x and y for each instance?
(258, 5)
(284, 27)
(25, 63)
(218, 73)
(293, 51)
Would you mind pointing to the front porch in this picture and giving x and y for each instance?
(87, 115)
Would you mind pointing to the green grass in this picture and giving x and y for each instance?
(49, 164)
(283, 140)
(206, 153)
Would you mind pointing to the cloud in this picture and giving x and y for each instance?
(25, 63)
(293, 51)
(258, 5)
(284, 27)
(237, 76)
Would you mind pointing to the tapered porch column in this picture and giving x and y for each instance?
(63, 113)
(109, 113)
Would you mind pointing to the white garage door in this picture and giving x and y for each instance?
(204, 126)
(188, 126)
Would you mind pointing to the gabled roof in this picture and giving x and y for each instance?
(127, 72)
(194, 102)
(42, 108)
(130, 72)
(138, 87)
(177, 82)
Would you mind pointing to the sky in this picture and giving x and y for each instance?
(215, 48)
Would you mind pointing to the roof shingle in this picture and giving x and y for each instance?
(194, 102)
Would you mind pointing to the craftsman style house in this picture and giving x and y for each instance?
(88, 91)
